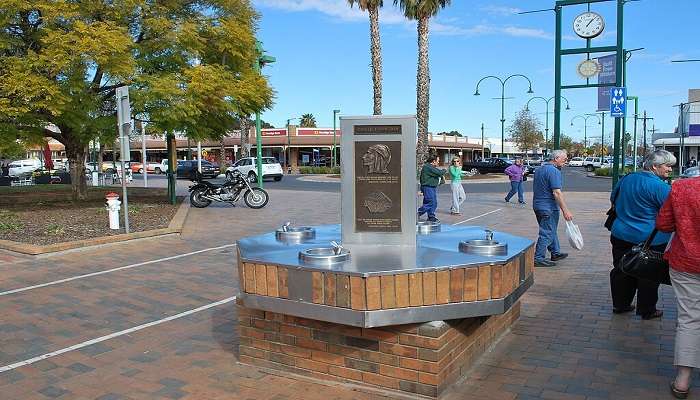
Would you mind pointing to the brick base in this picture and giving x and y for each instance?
(419, 359)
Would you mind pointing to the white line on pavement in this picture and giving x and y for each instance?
(472, 218)
(24, 289)
(113, 335)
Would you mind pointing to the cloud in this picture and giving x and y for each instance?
(391, 16)
(501, 10)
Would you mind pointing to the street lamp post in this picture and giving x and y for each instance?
(503, 98)
(335, 113)
(585, 126)
(260, 62)
(546, 120)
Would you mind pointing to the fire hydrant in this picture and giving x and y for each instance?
(113, 206)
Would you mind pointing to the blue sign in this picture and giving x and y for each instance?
(607, 77)
(618, 102)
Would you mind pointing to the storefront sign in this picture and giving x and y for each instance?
(273, 132)
(316, 132)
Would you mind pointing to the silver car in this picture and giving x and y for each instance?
(692, 172)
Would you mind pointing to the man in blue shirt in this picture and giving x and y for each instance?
(547, 199)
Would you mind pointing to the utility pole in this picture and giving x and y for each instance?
(483, 144)
(644, 130)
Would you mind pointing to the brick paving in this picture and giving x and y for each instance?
(566, 345)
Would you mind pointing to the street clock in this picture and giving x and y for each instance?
(589, 25)
(588, 68)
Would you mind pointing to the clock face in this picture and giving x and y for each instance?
(588, 68)
(589, 25)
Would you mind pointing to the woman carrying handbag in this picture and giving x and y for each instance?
(681, 214)
(637, 199)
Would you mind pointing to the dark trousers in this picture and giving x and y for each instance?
(429, 201)
(623, 286)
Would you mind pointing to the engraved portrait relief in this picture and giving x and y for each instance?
(376, 159)
(377, 202)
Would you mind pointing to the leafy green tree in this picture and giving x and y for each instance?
(372, 8)
(421, 11)
(189, 65)
(525, 131)
(307, 121)
(12, 149)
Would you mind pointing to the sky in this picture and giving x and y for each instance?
(323, 61)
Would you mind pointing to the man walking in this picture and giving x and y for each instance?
(430, 177)
(547, 200)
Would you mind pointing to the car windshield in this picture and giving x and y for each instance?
(269, 160)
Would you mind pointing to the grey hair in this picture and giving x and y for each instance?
(558, 154)
(658, 157)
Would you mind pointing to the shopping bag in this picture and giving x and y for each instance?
(574, 234)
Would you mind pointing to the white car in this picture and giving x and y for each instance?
(591, 163)
(248, 167)
(576, 162)
(24, 167)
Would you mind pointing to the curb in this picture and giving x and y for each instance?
(327, 179)
(175, 227)
(598, 177)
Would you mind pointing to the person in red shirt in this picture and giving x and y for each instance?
(681, 214)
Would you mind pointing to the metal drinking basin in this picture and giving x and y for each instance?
(324, 255)
(427, 227)
(484, 247)
(295, 233)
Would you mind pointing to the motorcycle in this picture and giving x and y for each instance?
(202, 193)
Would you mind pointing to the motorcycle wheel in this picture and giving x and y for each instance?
(256, 198)
(196, 198)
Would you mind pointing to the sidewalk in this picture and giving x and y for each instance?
(566, 345)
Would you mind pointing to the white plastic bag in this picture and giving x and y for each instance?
(574, 234)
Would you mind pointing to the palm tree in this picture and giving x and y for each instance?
(372, 8)
(421, 11)
(307, 121)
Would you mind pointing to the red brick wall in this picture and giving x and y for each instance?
(417, 358)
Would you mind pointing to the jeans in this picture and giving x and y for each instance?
(548, 239)
(429, 201)
(516, 186)
(458, 196)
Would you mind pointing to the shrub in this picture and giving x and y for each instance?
(319, 170)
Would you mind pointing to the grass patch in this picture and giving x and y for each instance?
(9, 222)
(55, 230)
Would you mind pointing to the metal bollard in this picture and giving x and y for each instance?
(113, 206)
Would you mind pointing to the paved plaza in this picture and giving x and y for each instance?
(155, 319)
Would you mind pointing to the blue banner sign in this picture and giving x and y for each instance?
(606, 76)
(618, 102)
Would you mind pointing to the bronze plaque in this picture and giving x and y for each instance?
(377, 129)
(378, 186)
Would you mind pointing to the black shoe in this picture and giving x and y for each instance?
(433, 219)
(653, 315)
(623, 310)
(544, 263)
(560, 256)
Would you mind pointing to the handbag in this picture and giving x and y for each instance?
(644, 263)
(612, 215)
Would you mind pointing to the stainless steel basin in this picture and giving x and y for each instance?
(324, 255)
(484, 247)
(427, 227)
(295, 234)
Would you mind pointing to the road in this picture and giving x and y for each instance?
(575, 180)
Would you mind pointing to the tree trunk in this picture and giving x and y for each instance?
(376, 48)
(245, 128)
(222, 156)
(100, 157)
(75, 152)
(422, 92)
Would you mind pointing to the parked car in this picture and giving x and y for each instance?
(185, 168)
(692, 172)
(491, 166)
(248, 167)
(152, 167)
(591, 163)
(22, 168)
(576, 162)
